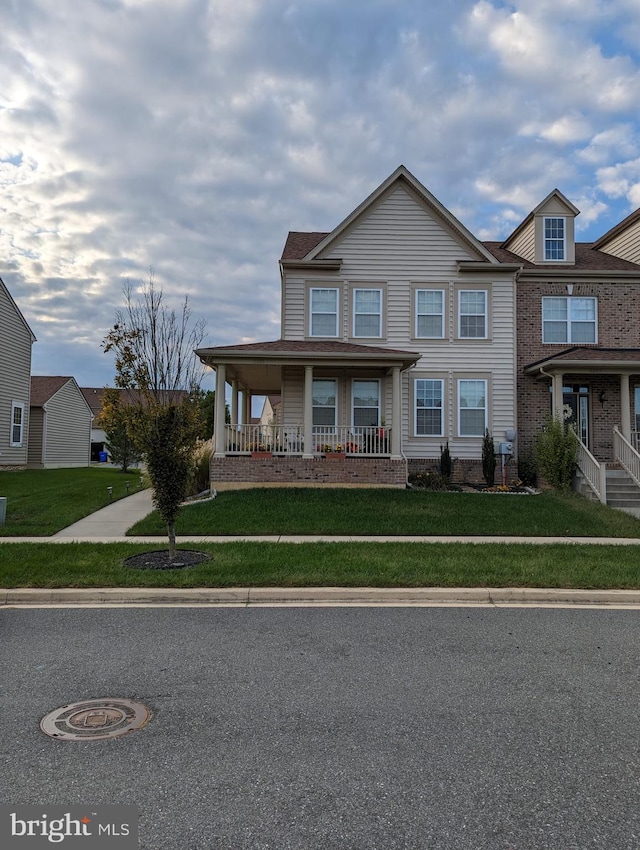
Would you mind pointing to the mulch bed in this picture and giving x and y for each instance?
(159, 560)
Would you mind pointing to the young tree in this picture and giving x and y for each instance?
(114, 420)
(154, 356)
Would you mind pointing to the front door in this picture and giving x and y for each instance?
(575, 399)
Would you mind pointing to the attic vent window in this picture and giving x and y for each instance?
(554, 238)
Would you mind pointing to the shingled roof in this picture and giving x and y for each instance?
(44, 387)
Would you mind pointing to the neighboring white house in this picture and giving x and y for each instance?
(16, 339)
(398, 335)
(60, 424)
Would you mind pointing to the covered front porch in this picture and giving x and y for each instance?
(598, 391)
(340, 403)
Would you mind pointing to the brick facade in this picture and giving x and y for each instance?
(618, 327)
(308, 471)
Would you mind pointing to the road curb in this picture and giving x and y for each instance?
(371, 596)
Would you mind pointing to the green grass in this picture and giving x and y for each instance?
(396, 512)
(41, 502)
(50, 565)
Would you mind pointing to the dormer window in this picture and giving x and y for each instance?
(554, 238)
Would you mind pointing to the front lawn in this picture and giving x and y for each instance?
(360, 512)
(328, 565)
(41, 502)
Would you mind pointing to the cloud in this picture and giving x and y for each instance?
(191, 135)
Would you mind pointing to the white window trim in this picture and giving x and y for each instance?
(379, 314)
(546, 259)
(17, 405)
(355, 381)
(486, 408)
(415, 408)
(313, 289)
(329, 429)
(486, 314)
(569, 299)
(418, 314)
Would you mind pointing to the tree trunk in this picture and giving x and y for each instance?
(171, 528)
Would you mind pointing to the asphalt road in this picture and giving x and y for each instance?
(349, 728)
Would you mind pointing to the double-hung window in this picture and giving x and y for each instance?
(428, 407)
(323, 313)
(366, 404)
(569, 320)
(367, 313)
(472, 314)
(17, 423)
(472, 408)
(554, 238)
(324, 407)
(430, 313)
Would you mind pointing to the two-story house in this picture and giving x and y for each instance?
(16, 339)
(397, 337)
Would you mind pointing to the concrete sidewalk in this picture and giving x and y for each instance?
(111, 521)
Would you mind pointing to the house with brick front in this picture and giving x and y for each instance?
(578, 338)
(398, 337)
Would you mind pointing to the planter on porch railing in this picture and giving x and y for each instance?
(335, 455)
(261, 454)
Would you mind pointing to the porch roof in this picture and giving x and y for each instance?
(258, 365)
(581, 360)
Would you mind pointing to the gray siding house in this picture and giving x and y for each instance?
(60, 424)
(16, 339)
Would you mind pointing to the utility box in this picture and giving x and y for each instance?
(505, 449)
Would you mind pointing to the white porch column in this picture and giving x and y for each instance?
(246, 407)
(556, 392)
(307, 416)
(218, 413)
(234, 402)
(625, 405)
(396, 412)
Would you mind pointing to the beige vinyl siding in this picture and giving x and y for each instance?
(68, 428)
(626, 245)
(524, 245)
(36, 437)
(15, 377)
(403, 243)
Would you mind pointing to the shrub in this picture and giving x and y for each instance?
(446, 463)
(557, 453)
(527, 468)
(488, 459)
(428, 481)
(199, 480)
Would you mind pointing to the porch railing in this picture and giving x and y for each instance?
(626, 455)
(289, 440)
(595, 473)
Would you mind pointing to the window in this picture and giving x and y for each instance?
(17, 423)
(430, 313)
(571, 320)
(472, 313)
(366, 404)
(367, 312)
(324, 312)
(472, 408)
(324, 407)
(428, 407)
(636, 398)
(554, 238)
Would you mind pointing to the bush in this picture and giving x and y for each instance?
(527, 468)
(428, 481)
(557, 453)
(200, 477)
(446, 463)
(488, 459)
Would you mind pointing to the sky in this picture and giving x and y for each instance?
(189, 136)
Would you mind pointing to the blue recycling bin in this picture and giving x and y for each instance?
(103, 457)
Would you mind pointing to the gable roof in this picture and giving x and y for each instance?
(44, 387)
(554, 193)
(631, 219)
(401, 176)
(588, 258)
(3, 286)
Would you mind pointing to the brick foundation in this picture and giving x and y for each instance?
(350, 471)
(464, 471)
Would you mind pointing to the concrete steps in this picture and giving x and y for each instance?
(622, 491)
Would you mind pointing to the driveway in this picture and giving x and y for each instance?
(345, 728)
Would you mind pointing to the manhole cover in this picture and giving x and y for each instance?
(94, 719)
